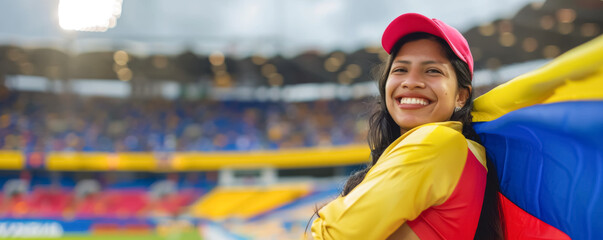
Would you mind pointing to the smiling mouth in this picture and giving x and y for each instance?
(414, 101)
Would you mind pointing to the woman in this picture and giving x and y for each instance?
(429, 176)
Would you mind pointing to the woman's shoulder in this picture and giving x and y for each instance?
(430, 141)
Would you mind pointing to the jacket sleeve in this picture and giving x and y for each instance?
(417, 171)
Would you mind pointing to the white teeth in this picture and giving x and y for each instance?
(421, 101)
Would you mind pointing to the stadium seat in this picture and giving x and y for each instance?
(245, 202)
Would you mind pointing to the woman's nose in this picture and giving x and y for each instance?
(413, 80)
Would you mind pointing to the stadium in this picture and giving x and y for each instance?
(110, 132)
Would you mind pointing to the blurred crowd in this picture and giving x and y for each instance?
(43, 122)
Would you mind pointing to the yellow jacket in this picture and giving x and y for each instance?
(418, 171)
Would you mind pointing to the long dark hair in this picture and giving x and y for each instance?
(383, 130)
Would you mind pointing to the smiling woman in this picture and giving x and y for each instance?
(429, 177)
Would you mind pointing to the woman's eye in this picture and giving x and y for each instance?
(433, 70)
(399, 70)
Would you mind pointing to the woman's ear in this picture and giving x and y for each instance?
(462, 96)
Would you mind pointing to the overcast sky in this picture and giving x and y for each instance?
(239, 27)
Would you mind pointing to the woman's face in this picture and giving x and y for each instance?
(422, 86)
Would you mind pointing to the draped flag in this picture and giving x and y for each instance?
(544, 132)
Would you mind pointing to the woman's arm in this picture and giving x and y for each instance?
(417, 171)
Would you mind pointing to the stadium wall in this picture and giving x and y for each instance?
(185, 161)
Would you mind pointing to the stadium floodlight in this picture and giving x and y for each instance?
(89, 15)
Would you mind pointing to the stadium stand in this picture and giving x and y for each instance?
(40, 122)
(100, 171)
(244, 212)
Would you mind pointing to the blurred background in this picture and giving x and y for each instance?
(182, 119)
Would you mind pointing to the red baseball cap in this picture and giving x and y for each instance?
(414, 22)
